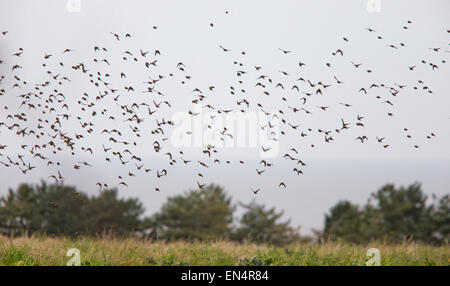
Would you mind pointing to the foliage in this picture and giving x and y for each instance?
(262, 225)
(255, 261)
(57, 209)
(396, 214)
(109, 251)
(441, 218)
(203, 214)
(391, 214)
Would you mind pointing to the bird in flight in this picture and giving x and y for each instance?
(286, 52)
(224, 49)
(122, 101)
(256, 191)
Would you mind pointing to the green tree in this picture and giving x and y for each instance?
(58, 209)
(109, 213)
(345, 221)
(403, 212)
(52, 209)
(16, 212)
(262, 225)
(197, 214)
(441, 219)
(395, 214)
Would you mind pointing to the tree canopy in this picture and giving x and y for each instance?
(391, 213)
(58, 209)
(197, 214)
(262, 225)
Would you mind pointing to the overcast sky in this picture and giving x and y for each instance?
(312, 30)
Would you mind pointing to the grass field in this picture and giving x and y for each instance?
(24, 251)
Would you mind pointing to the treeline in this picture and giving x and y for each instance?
(63, 210)
(205, 214)
(392, 214)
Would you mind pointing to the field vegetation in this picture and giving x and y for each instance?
(26, 251)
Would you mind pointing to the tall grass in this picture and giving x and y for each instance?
(43, 250)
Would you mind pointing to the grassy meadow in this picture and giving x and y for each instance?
(26, 251)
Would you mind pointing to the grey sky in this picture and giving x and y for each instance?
(312, 30)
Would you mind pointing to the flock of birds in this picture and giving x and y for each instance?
(46, 120)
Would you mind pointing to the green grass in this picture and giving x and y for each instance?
(25, 251)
